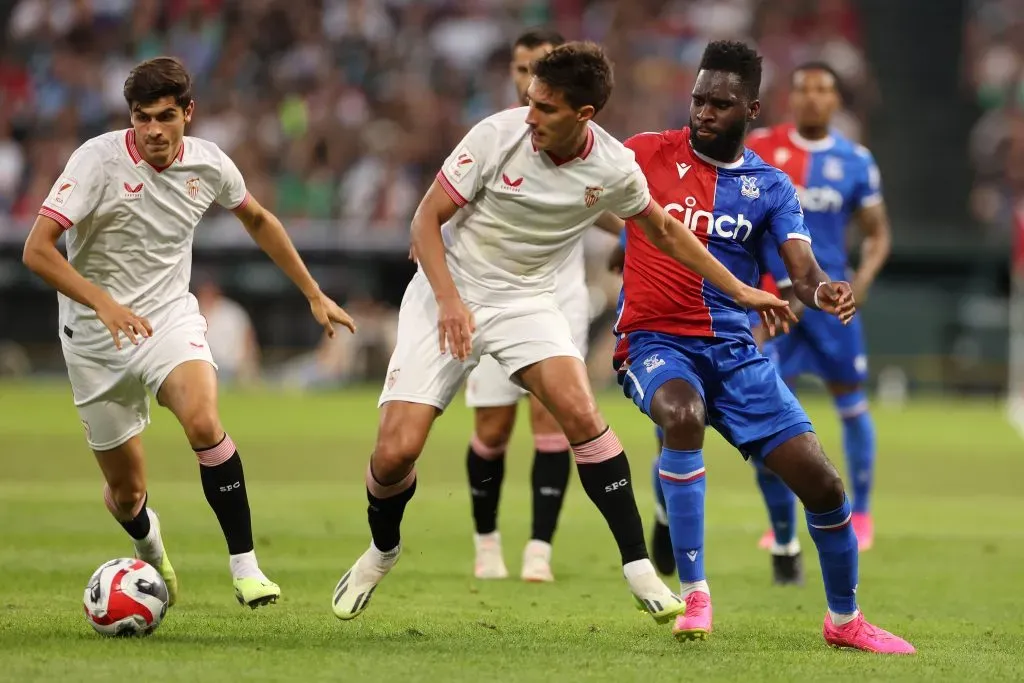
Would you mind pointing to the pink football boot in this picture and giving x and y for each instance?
(860, 635)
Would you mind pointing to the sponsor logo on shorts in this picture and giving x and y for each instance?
(652, 363)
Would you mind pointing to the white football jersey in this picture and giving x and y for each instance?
(522, 211)
(130, 225)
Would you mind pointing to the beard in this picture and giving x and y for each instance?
(724, 146)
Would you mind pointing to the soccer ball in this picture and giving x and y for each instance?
(125, 597)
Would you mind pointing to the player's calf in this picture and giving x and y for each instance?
(485, 468)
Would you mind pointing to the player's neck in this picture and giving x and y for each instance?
(162, 163)
(812, 133)
(574, 146)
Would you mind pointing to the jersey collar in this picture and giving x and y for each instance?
(136, 156)
(582, 154)
(803, 143)
(714, 162)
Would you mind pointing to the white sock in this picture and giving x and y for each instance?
(244, 566)
(385, 558)
(789, 550)
(638, 568)
(841, 619)
(660, 515)
(151, 548)
(687, 587)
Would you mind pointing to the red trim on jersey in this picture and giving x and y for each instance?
(133, 151)
(447, 186)
(57, 216)
(245, 200)
(129, 143)
(646, 211)
(583, 153)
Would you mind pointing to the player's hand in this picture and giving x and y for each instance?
(617, 259)
(775, 313)
(120, 319)
(836, 298)
(327, 313)
(455, 327)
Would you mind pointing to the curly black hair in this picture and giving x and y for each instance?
(736, 58)
(580, 71)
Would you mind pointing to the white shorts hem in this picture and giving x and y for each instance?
(413, 398)
(121, 440)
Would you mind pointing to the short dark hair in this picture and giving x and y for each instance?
(737, 58)
(580, 71)
(820, 66)
(157, 78)
(536, 37)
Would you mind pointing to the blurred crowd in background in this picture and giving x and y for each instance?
(344, 109)
(993, 75)
(339, 112)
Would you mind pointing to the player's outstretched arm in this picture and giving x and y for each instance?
(873, 222)
(455, 325)
(672, 237)
(42, 257)
(812, 286)
(268, 233)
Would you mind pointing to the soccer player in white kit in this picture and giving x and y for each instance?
(129, 202)
(514, 198)
(494, 397)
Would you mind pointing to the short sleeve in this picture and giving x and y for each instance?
(868, 190)
(233, 194)
(633, 198)
(78, 190)
(464, 172)
(785, 222)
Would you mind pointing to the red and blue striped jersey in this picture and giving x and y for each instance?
(731, 208)
(834, 176)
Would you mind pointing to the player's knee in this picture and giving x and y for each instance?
(493, 427)
(396, 452)
(682, 420)
(828, 490)
(203, 429)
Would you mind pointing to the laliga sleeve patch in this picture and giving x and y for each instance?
(461, 164)
(62, 190)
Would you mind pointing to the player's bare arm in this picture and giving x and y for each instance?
(873, 222)
(812, 285)
(43, 258)
(455, 325)
(673, 238)
(610, 223)
(269, 234)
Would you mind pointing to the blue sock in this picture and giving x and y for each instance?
(859, 446)
(683, 483)
(832, 533)
(659, 494)
(781, 504)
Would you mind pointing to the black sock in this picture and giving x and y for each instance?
(550, 478)
(485, 477)
(138, 528)
(385, 517)
(608, 485)
(224, 486)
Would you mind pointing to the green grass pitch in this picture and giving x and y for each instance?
(947, 570)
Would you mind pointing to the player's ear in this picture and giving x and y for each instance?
(753, 110)
(189, 110)
(585, 113)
